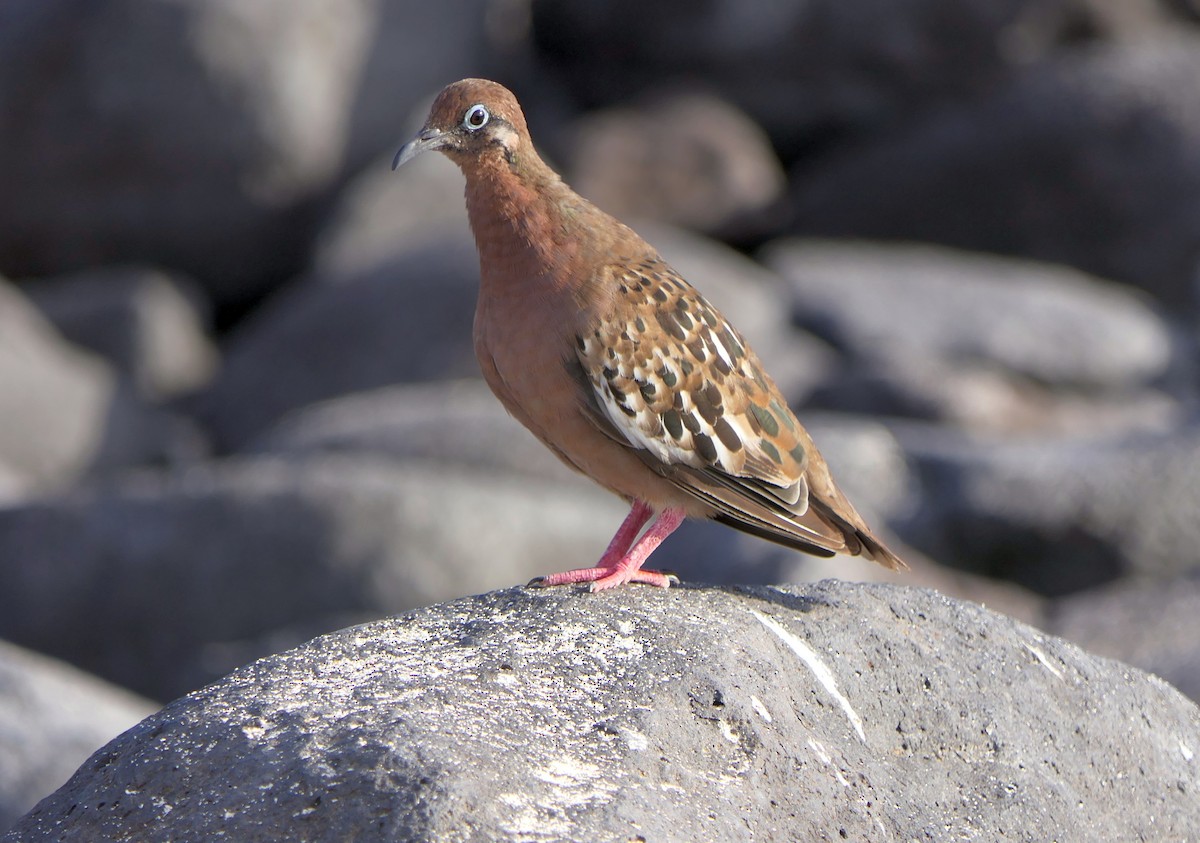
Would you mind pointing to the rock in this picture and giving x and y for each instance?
(1088, 160)
(814, 72)
(148, 579)
(1152, 625)
(146, 322)
(197, 134)
(405, 319)
(1057, 515)
(1050, 324)
(455, 423)
(683, 158)
(52, 717)
(53, 398)
(832, 711)
(986, 343)
(382, 214)
(977, 397)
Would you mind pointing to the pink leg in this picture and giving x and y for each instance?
(622, 563)
(638, 515)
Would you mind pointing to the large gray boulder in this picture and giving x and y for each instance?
(408, 319)
(983, 342)
(1057, 515)
(1150, 624)
(813, 72)
(66, 413)
(52, 717)
(161, 580)
(833, 711)
(195, 134)
(149, 324)
(1050, 324)
(683, 157)
(1089, 159)
(54, 398)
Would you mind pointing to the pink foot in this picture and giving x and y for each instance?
(622, 563)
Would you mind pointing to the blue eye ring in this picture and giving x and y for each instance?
(476, 117)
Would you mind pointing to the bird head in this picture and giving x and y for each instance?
(470, 119)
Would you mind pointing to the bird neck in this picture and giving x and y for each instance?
(530, 228)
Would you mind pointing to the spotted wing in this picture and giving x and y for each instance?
(674, 380)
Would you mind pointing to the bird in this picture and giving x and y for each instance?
(619, 366)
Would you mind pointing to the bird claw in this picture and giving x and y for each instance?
(595, 579)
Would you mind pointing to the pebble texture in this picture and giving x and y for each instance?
(827, 712)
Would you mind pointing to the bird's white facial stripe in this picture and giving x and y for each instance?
(505, 135)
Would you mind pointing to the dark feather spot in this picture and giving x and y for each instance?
(730, 341)
(580, 342)
(770, 450)
(619, 397)
(640, 324)
(708, 411)
(659, 294)
(713, 394)
(783, 413)
(727, 435)
(669, 324)
(684, 319)
(677, 401)
(765, 419)
(720, 365)
(686, 366)
(609, 373)
(691, 422)
(753, 419)
(668, 376)
(624, 290)
(759, 377)
(673, 423)
(696, 346)
(647, 389)
(709, 317)
(797, 453)
(705, 448)
(682, 304)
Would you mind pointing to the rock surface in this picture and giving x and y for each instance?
(211, 127)
(1053, 325)
(52, 717)
(1057, 515)
(828, 712)
(1089, 159)
(407, 319)
(148, 324)
(685, 158)
(177, 568)
(54, 398)
(1150, 624)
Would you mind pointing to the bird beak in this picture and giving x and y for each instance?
(427, 138)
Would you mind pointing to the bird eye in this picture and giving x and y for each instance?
(475, 118)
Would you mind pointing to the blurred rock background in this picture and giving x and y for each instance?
(238, 402)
